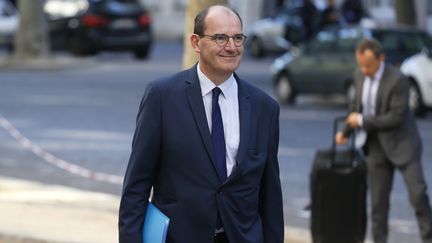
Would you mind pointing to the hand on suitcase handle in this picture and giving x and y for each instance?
(353, 120)
(340, 138)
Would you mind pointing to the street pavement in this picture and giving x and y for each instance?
(37, 212)
(34, 212)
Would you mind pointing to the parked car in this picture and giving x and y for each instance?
(88, 26)
(8, 24)
(273, 34)
(325, 65)
(418, 68)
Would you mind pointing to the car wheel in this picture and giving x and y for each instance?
(284, 89)
(415, 100)
(142, 54)
(255, 48)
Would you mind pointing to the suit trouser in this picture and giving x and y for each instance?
(381, 172)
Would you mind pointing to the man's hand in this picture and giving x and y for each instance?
(353, 120)
(340, 138)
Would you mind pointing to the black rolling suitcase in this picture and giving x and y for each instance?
(338, 194)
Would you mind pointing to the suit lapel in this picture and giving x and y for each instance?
(380, 92)
(196, 103)
(359, 88)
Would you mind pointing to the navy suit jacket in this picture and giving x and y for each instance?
(172, 152)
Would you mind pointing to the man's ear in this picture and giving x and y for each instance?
(194, 39)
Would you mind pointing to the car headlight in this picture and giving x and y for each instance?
(280, 62)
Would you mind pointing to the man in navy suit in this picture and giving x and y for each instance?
(206, 142)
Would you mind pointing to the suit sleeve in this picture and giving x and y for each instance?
(397, 107)
(271, 205)
(141, 170)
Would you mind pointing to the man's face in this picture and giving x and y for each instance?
(368, 62)
(217, 60)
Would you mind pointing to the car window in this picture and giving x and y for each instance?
(388, 39)
(413, 42)
(402, 41)
(428, 41)
(323, 42)
(118, 6)
(347, 39)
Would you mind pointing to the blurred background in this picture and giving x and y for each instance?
(72, 74)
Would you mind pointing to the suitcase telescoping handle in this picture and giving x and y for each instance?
(337, 121)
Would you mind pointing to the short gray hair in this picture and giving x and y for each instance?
(199, 25)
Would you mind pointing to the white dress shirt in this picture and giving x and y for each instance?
(228, 102)
(370, 90)
(369, 95)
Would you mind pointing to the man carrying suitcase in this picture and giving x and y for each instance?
(387, 132)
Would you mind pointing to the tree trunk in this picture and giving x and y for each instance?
(31, 40)
(192, 9)
(405, 12)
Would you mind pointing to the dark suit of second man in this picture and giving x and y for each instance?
(390, 135)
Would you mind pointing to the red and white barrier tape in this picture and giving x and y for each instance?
(51, 159)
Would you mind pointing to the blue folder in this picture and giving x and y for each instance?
(155, 226)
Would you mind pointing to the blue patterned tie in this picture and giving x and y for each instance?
(218, 137)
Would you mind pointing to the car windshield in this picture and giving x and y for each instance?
(118, 6)
(323, 42)
(402, 41)
(56, 9)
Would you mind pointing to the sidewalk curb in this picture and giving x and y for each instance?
(46, 63)
(37, 213)
(43, 213)
(15, 239)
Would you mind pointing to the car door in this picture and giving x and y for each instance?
(344, 62)
(311, 67)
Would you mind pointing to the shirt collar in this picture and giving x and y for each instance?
(207, 85)
(378, 75)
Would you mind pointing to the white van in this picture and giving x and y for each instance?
(8, 23)
(418, 68)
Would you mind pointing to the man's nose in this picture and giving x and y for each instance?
(230, 43)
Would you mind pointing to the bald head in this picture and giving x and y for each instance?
(199, 26)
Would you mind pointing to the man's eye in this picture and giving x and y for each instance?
(238, 38)
(220, 38)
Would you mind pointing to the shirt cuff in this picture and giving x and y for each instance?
(360, 121)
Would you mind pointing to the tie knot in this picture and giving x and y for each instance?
(216, 92)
